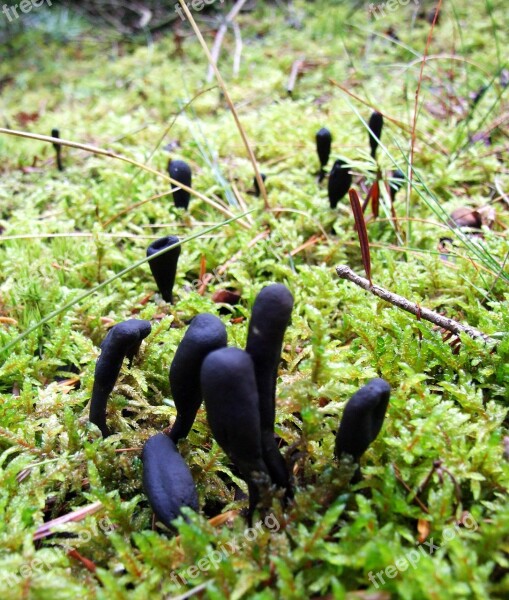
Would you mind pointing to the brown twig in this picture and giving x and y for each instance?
(344, 272)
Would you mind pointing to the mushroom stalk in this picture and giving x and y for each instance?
(270, 316)
(205, 334)
(123, 340)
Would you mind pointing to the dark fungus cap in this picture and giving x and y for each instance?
(339, 183)
(181, 172)
(231, 399)
(376, 123)
(362, 419)
(167, 480)
(164, 266)
(205, 334)
(122, 341)
(323, 145)
(398, 179)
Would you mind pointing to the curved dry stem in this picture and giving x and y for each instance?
(110, 154)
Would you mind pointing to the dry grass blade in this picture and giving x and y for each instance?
(360, 226)
(110, 154)
(77, 515)
(229, 101)
(216, 48)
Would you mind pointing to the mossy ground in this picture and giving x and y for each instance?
(63, 234)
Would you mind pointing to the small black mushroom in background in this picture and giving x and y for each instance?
(256, 187)
(58, 149)
(398, 179)
(122, 341)
(269, 319)
(164, 266)
(231, 399)
(181, 172)
(340, 182)
(362, 421)
(167, 480)
(205, 334)
(376, 123)
(323, 148)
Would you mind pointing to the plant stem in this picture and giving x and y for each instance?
(344, 272)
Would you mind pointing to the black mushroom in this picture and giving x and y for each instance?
(256, 187)
(270, 316)
(231, 399)
(362, 420)
(58, 149)
(180, 171)
(398, 179)
(376, 123)
(340, 182)
(122, 341)
(323, 147)
(167, 480)
(164, 266)
(205, 334)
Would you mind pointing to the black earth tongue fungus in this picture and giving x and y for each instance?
(376, 123)
(256, 186)
(362, 421)
(323, 146)
(231, 399)
(340, 181)
(123, 341)
(58, 149)
(398, 179)
(269, 318)
(181, 172)
(164, 267)
(205, 334)
(167, 480)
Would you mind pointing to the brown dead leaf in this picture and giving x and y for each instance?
(423, 527)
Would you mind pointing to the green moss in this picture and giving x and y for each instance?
(64, 233)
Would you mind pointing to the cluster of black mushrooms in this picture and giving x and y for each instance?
(238, 386)
(239, 390)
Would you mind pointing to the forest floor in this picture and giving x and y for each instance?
(430, 518)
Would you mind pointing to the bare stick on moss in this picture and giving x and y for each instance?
(345, 272)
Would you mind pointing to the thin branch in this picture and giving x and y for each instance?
(344, 272)
(229, 101)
